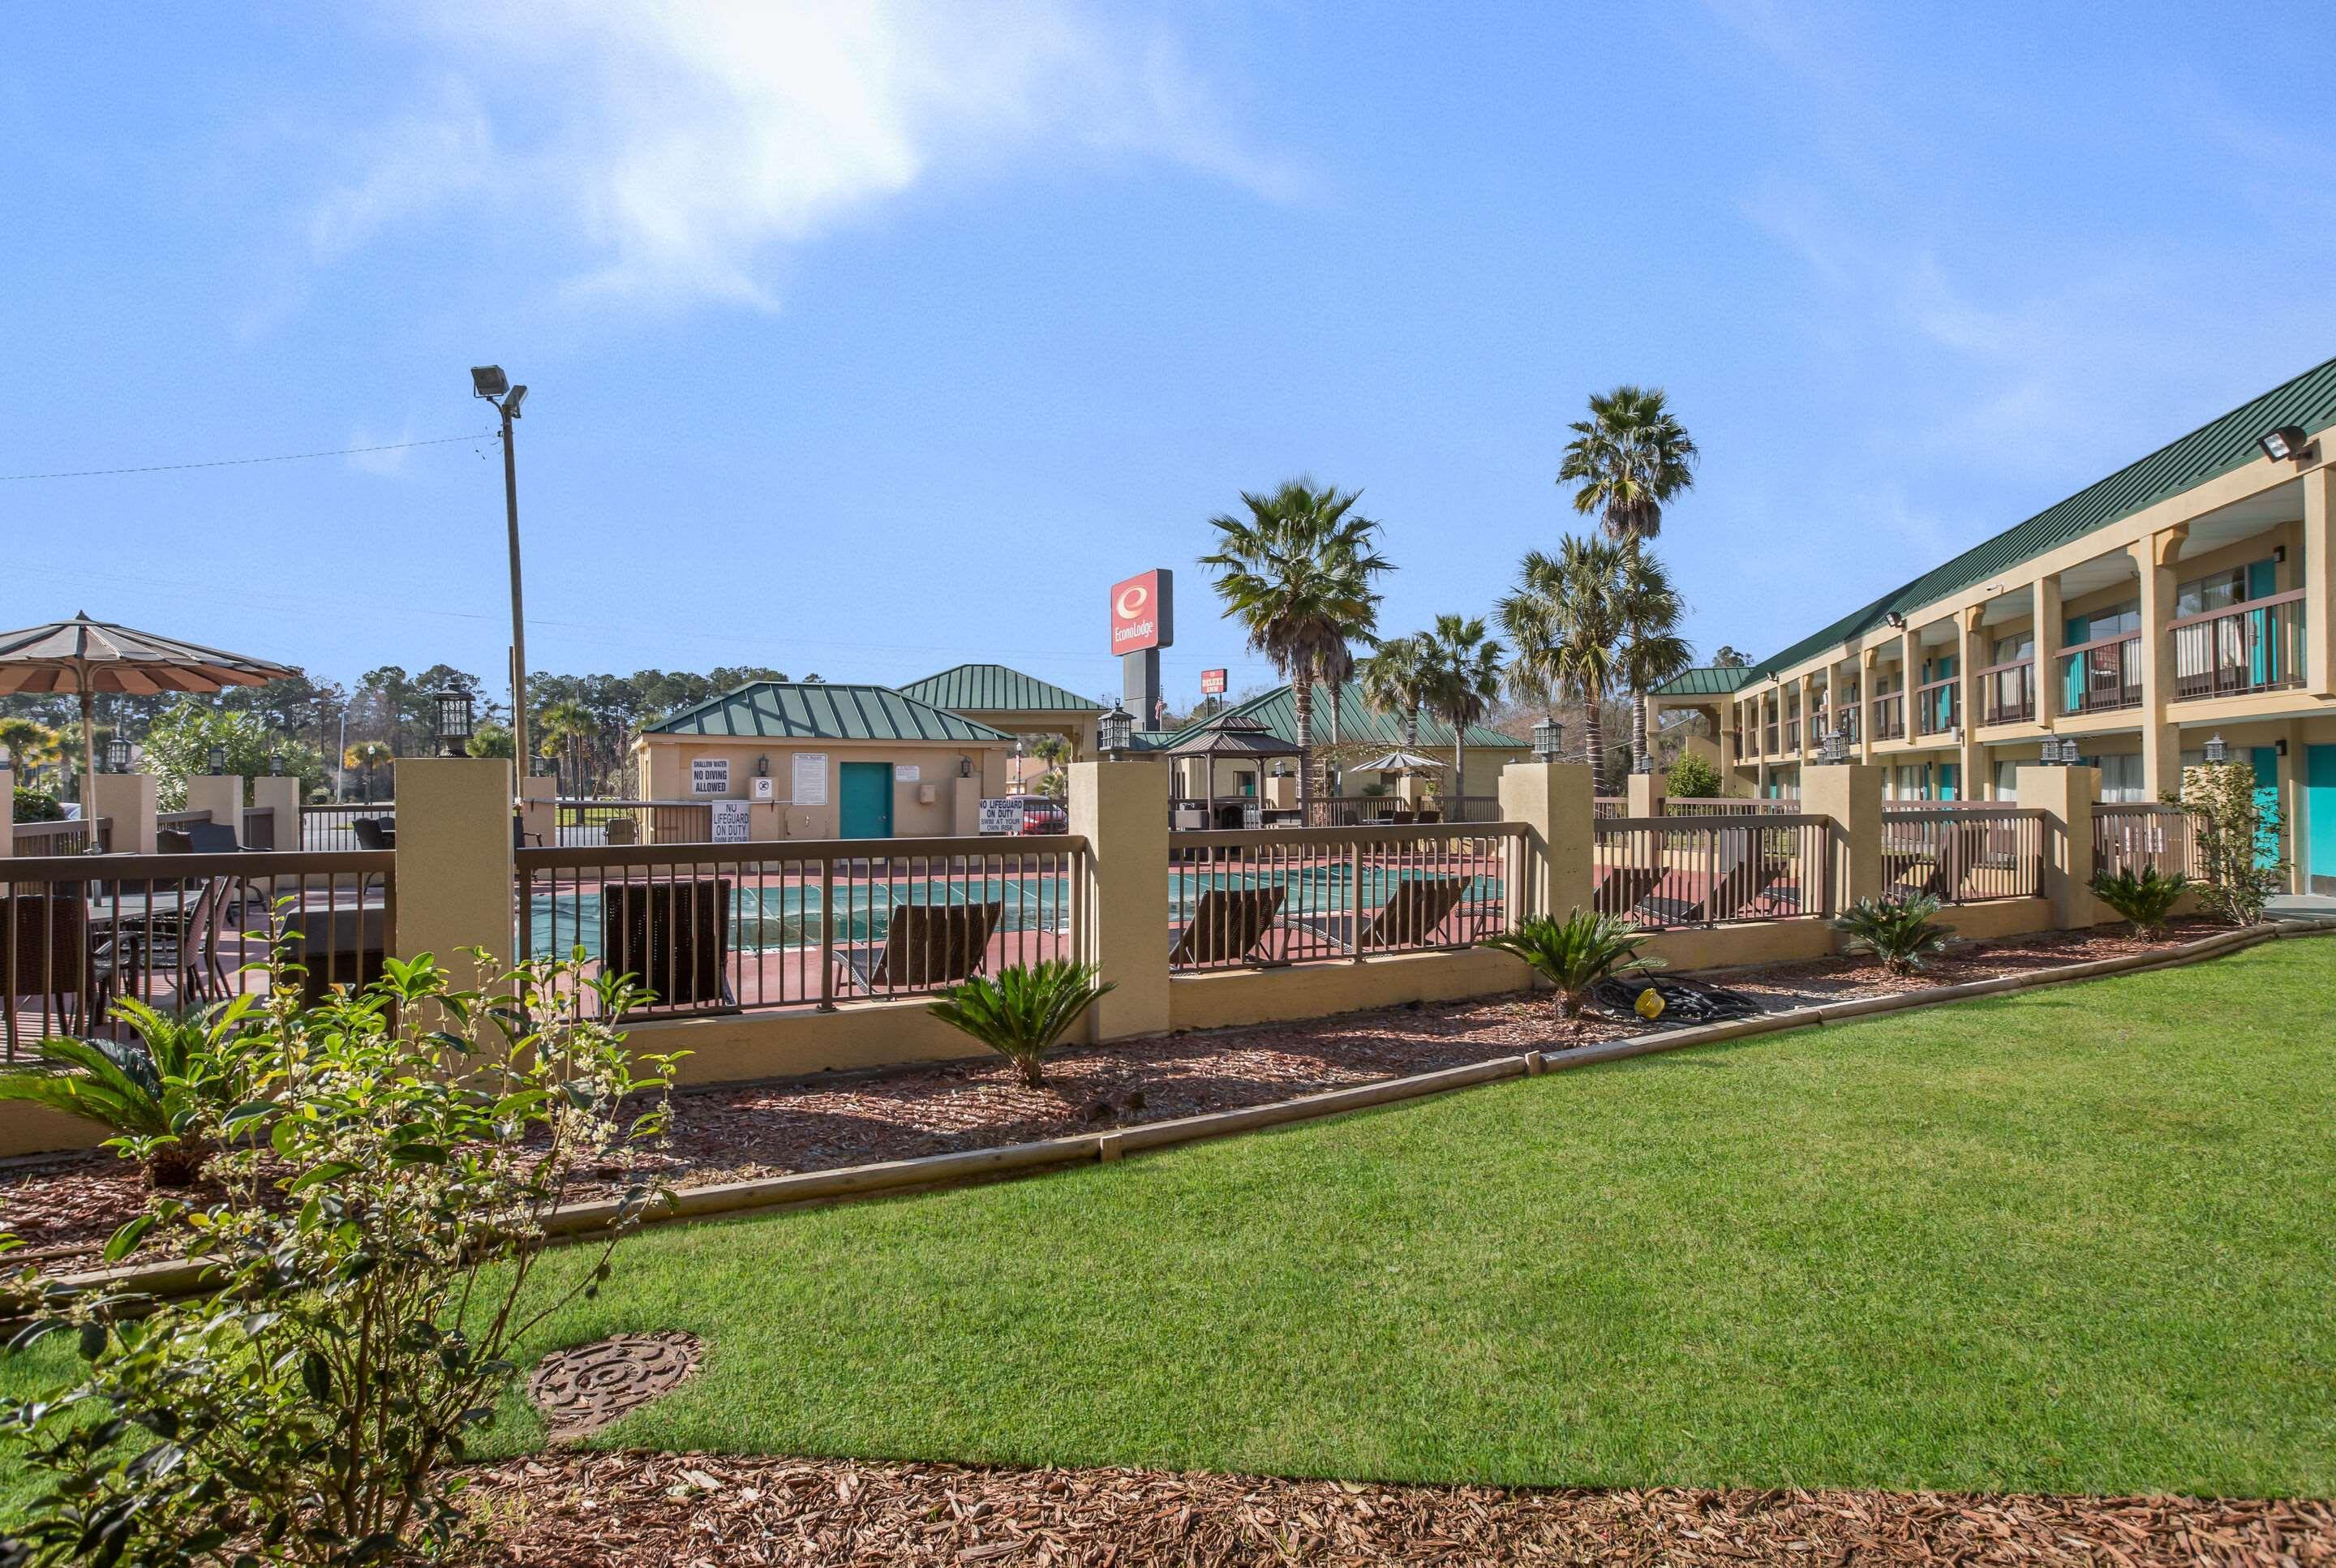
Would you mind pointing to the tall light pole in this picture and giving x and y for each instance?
(488, 381)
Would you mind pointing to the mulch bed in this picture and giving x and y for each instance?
(632, 1511)
(64, 1207)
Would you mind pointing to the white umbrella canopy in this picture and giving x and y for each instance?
(88, 657)
(1395, 761)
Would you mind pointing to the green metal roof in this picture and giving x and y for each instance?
(814, 710)
(1705, 680)
(2208, 452)
(995, 688)
(1357, 721)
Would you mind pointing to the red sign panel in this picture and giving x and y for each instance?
(1212, 683)
(1142, 613)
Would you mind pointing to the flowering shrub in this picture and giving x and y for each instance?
(388, 1189)
(2236, 841)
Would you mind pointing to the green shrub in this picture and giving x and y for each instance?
(387, 1188)
(163, 1089)
(1577, 952)
(34, 806)
(2236, 841)
(1023, 1012)
(1692, 778)
(2145, 900)
(1898, 931)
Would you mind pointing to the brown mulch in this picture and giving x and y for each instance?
(64, 1207)
(634, 1511)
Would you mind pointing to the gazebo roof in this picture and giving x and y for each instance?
(1232, 735)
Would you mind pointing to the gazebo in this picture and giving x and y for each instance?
(1232, 737)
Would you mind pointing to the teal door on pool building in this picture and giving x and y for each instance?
(864, 800)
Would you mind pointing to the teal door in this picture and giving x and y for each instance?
(865, 795)
(1951, 778)
(2078, 629)
(2265, 759)
(2319, 818)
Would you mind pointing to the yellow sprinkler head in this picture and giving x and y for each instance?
(1651, 1004)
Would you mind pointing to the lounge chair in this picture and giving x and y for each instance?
(673, 937)
(373, 833)
(1625, 888)
(1737, 887)
(1228, 926)
(924, 945)
(1411, 915)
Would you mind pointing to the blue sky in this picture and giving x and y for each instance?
(869, 339)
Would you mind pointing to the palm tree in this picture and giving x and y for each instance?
(562, 725)
(1463, 672)
(1652, 649)
(31, 745)
(1296, 570)
(1394, 681)
(1564, 622)
(1630, 458)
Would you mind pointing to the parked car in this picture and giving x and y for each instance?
(1043, 815)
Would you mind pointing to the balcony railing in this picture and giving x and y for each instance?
(1791, 735)
(1772, 748)
(2103, 676)
(1890, 717)
(1849, 723)
(2256, 646)
(1939, 705)
(2010, 692)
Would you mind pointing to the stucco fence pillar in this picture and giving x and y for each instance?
(221, 794)
(280, 795)
(128, 798)
(2065, 795)
(1121, 809)
(1851, 795)
(1555, 872)
(454, 865)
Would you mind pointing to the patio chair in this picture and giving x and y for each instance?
(373, 833)
(924, 945)
(1415, 908)
(182, 942)
(1228, 926)
(673, 937)
(1737, 887)
(1624, 888)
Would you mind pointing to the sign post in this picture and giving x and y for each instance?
(1142, 622)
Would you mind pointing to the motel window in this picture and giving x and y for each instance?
(2121, 777)
(2011, 649)
(2203, 595)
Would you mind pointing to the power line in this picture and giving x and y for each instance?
(240, 461)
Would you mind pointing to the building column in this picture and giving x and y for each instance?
(222, 796)
(1642, 795)
(1869, 673)
(2161, 743)
(2065, 795)
(454, 869)
(2318, 574)
(1121, 809)
(128, 798)
(1553, 801)
(1808, 713)
(2045, 595)
(1970, 757)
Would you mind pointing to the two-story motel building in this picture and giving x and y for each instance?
(2185, 597)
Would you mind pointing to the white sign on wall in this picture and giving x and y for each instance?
(730, 822)
(811, 778)
(709, 776)
(1003, 815)
(764, 790)
(905, 773)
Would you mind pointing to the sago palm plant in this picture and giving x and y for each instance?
(165, 1083)
(1577, 952)
(1898, 931)
(1023, 1011)
(2145, 899)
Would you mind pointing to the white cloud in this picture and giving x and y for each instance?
(677, 150)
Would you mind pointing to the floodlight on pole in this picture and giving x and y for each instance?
(488, 381)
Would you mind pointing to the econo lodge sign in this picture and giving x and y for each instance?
(1143, 612)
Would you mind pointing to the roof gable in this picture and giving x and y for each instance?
(996, 688)
(1359, 722)
(816, 710)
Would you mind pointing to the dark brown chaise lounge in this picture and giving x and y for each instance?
(924, 945)
(1227, 927)
(1410, 916)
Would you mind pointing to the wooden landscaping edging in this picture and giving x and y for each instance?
(891, 1177)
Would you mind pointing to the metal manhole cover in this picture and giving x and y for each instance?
(580, 1391)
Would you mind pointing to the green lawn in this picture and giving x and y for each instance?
(2072, 1240)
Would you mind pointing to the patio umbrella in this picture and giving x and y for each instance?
(1395, 761)
(89, 656)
